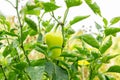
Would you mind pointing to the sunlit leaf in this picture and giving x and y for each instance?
(94, 6)
(105, 21)
(77, 19)
(106, 45)
(115, 68)
(89, 39)
(111, 31)
(31, 24)
(107, 58)
(115, 20)
(72, 3)
(48, 6)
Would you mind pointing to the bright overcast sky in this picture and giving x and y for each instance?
(109, 9)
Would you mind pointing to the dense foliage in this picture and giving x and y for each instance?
(60, 52)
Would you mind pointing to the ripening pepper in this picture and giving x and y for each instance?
(54, 40)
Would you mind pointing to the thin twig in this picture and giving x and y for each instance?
(64, 19)
(60, 23)
(10, 3)
(21, 34)
(39, 21)
(3, 72)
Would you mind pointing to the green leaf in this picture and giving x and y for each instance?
(14, 52)
(88, 1)
(31, 9)
(77, 19)
(55, 72)
(82, 51)
(72, 3)
(95, 8)
(36, 73)
(68, 54)
(106, 45)
(3, 32)
(20, 66)
(98, 26)
(107, 58)
(60, 73)
(32, 32)
(105, 21)
(49, 69)
(6, 51)
(12, 76)
(95, 54)
(33, 12)
(39, 62)
(40, 37)
(101, 76)
(41, 48)
(115, 68)
(115, 20)
(89, 39)
(48, 6)
(70, 31)
(109, 77)
(48, 25)
(31, 24)
(111, 31)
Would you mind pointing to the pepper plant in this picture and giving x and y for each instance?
(66, 54)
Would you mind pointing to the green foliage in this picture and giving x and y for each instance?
(72, 3)
(106, 45)
(114, 68)
(95, 8)
(115, 20)
(89, 39)
(111, 30)
(77, 19)
(48, 7)
(31, 24)
(25, 55)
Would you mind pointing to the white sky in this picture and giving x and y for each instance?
(109, 9)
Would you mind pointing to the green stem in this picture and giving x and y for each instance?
(3, 72)
(10, 3)
(39, 21)
(65, 15)
(21, 33)
(64, 19)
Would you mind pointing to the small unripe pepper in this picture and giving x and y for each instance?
(54, 40)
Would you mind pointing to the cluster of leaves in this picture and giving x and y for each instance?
(14, 41)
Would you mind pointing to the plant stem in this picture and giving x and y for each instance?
(39, 21)
(3, 72)
(65, 15)
(10, 3)
(21, 33)
(64, 19)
